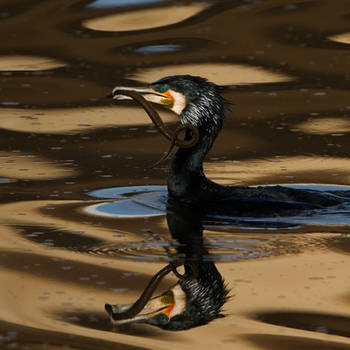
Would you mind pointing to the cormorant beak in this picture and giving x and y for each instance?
(158, 310)
(162, 304)
(148, 93)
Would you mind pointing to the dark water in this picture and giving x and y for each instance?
(72, 240)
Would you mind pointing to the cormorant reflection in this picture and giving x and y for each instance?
(198, 296)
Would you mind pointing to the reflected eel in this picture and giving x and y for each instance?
(140, 303)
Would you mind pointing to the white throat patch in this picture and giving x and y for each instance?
(179, 101)
(180, 301)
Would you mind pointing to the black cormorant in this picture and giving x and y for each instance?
(199, 103)
(192, 301)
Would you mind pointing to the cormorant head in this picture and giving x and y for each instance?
(205, 297)
(193, 98)
(190, 303)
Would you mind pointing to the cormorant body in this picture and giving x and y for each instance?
(192, 301)
(199, 103)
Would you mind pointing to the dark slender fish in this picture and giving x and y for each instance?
(174, 137)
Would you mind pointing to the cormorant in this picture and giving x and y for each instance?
(194, 300)
(199, 103)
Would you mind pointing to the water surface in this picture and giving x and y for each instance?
(64, 146)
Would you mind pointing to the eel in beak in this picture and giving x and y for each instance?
(145, 95)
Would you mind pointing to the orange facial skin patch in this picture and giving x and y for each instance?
(168, 310)
(168, 94)
(169, 101)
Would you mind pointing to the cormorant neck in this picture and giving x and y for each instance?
(186, 171)
(206, 293)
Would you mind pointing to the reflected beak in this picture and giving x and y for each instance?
(154, 306)
(148, 94)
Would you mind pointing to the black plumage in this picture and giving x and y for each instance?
(207, 293)
(205, 108)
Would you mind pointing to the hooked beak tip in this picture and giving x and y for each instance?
(110, 95)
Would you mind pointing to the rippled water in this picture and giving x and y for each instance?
(83, 216)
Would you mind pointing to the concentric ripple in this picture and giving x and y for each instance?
(220, 248)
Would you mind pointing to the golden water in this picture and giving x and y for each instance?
(286, 68)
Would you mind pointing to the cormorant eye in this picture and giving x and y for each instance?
(163, 319)
(163, 88)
